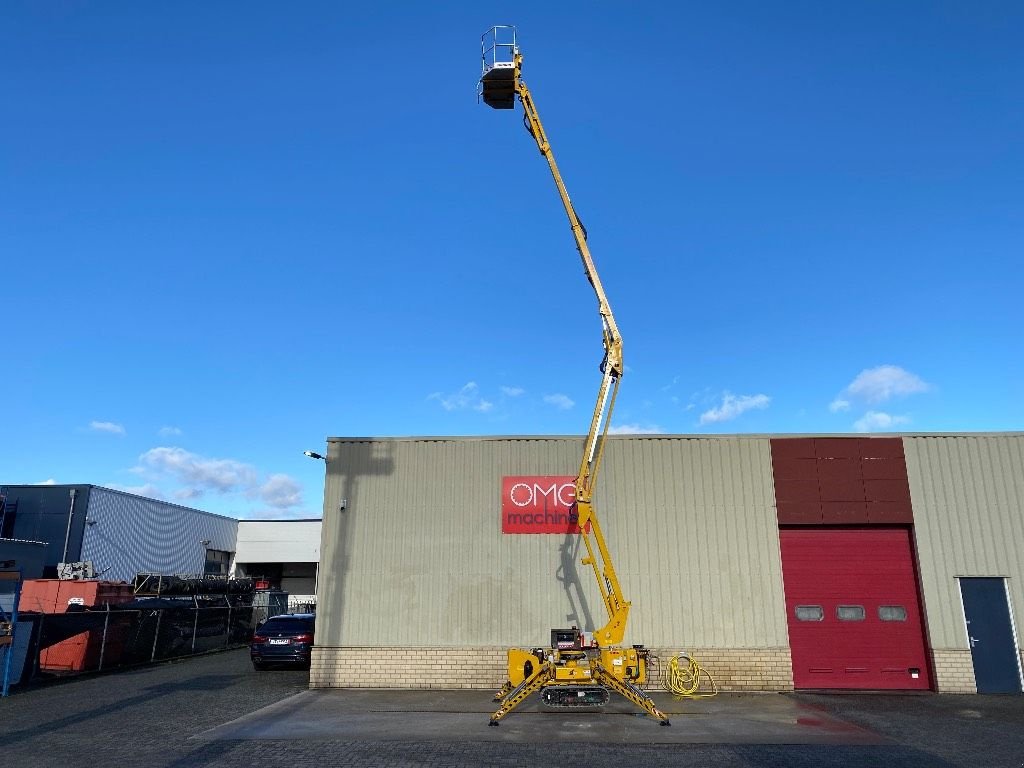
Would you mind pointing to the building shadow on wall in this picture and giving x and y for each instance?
(568, 576)
(348, 463)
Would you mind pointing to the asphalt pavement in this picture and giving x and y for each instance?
(216, 710)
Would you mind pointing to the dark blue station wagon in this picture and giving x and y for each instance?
(284, 639)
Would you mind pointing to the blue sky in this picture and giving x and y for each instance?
(231, 230)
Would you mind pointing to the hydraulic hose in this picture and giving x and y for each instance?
(683, 678)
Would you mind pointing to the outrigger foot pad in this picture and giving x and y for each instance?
(665, 722)
(493, 722)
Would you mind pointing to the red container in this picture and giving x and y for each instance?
(82, 651)
(55, 595)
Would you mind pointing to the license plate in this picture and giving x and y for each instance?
(279, 641)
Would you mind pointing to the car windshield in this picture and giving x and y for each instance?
(292, 624)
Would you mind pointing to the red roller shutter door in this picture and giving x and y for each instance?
(852, 607)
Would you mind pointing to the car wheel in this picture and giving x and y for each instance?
(258, 665)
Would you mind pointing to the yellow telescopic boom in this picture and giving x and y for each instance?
(498, 84)
(570, 673)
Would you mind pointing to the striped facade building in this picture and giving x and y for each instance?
(780, 562)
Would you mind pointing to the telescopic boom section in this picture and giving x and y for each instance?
(570, 673)
(611, 369)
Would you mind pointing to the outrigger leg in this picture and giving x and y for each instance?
(516, 696)
(629, 691)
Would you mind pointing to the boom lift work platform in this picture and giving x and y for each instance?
(568, 673)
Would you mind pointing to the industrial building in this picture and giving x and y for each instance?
(780, 562)
(118, 535)
(286, 553)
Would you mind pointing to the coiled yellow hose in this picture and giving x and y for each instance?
(683, 676)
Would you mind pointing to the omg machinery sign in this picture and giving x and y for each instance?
(538, 504)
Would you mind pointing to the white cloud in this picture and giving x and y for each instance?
(281, 492)
(106, 426)
(560, 401)
(49, 481)
(149, 490)
(877, 421)
(732, 406)
(876, 385)
(200, 473)
(512, 391)
(635, 429)
(467, 398)
(169, 432)
(196, 476)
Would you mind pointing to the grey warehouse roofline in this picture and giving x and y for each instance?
(8, 486)
(282, 520)
(666, 436)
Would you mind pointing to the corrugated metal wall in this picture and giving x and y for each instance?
(43, 512)
(127, 534)
(418, 557)
(28, 556)
(968, 495)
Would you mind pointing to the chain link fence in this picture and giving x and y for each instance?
(144, 631)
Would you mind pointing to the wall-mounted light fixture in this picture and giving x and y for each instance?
(314, 455)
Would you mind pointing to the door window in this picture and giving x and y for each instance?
(809, 613)
(892, 613)
(850, 612)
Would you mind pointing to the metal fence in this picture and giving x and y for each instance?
(302, 603)
(92, 640)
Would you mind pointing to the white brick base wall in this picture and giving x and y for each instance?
(734, 669)
(954, 671)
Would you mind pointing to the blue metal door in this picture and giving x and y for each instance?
(990, 633)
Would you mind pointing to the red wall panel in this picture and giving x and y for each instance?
(842, 490)
(837, 447)
(797, 490)
(800, 512)
(882, 448)
(847, 477)
(794, 469)
(884, 469)
(839, 469)
(844, 512)
(793, 448)
(887, 490)
(888, 512)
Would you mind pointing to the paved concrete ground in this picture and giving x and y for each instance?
(207, 711)
(462, 716)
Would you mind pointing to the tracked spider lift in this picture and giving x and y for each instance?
(569, 674)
